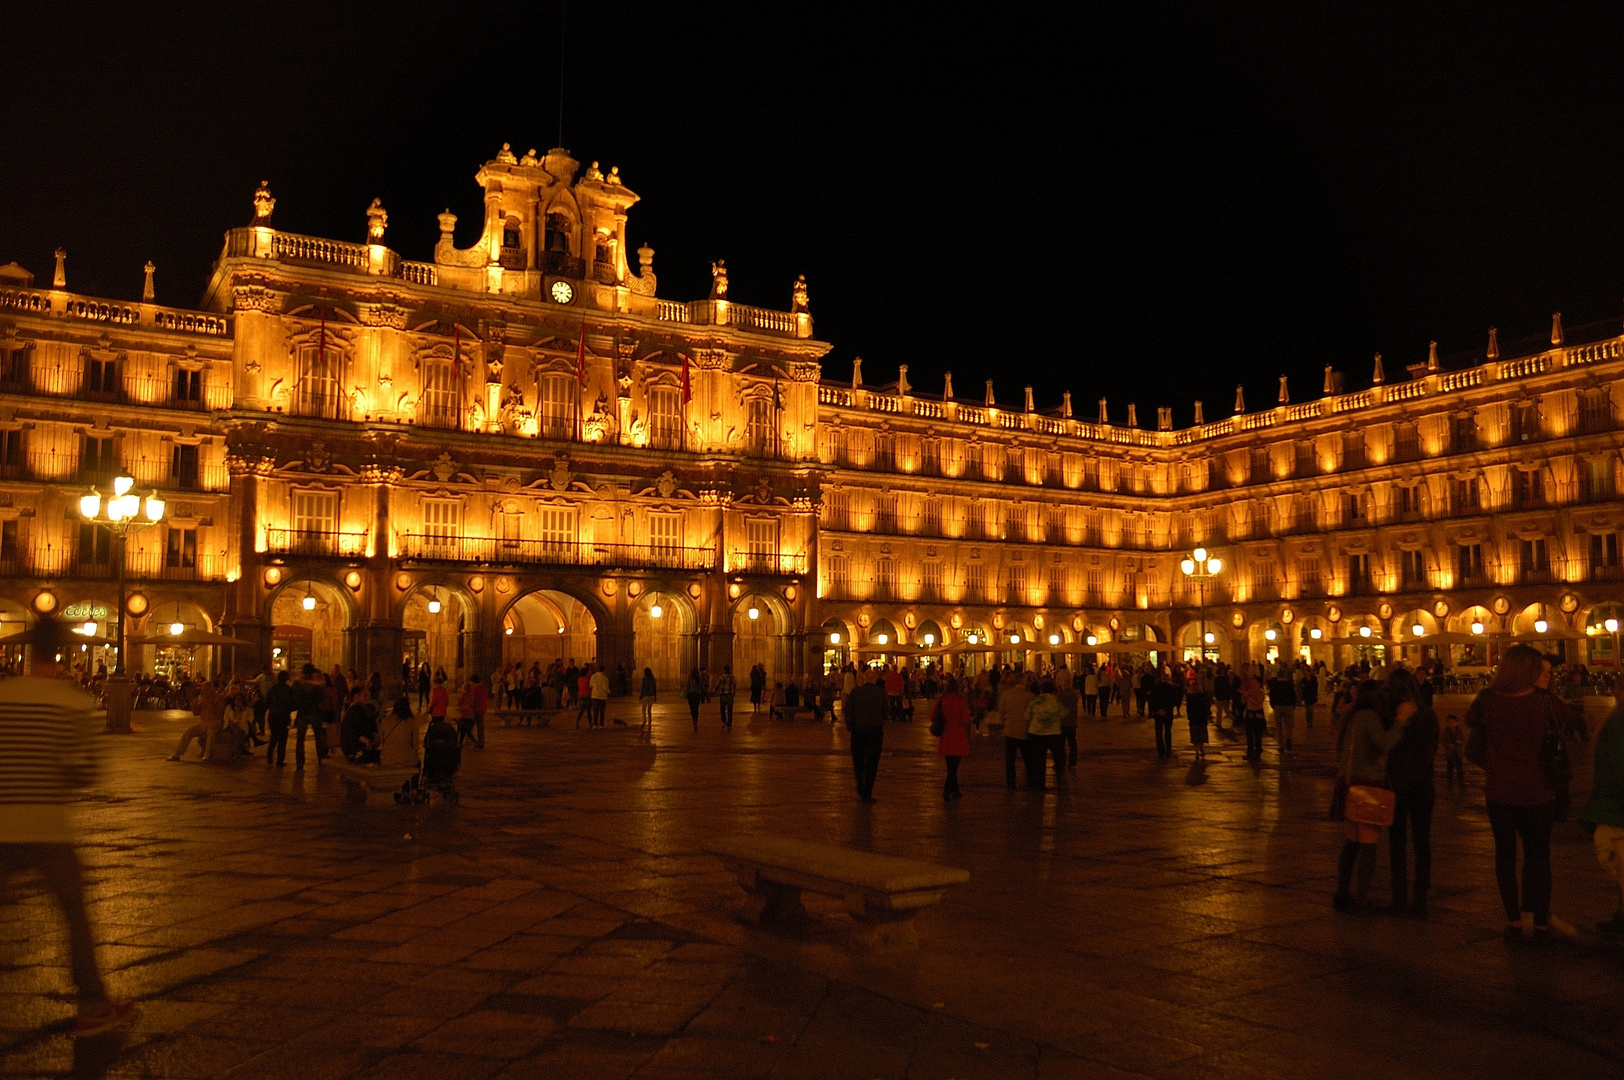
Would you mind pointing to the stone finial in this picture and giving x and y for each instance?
(1432, 356)
(1065, 404)
(1285, 394)
(902, 380)
(59, 280)
(645, 259)
(990, 400)
(377, 221)
(1556, 328)
(719, 280)
(947, 386)
(797, 295)
(263, 203)
(1028, 399)
(1240, 399)
(856, 372)
(1378, 376)
(1104, 416)
(1200, 416)
(1133, 414)
(1164, 418)
(1494, 343)
(148, 293)
(448, 224)
(1326, 389)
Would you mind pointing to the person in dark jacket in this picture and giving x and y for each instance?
(1283, 702)
(279, 706)
(358, 733)
(1410, 771)
(865, 720)
(1163, 699)
(1605, 812)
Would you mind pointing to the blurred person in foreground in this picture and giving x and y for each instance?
(45, 760)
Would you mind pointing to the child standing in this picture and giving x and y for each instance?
(1452, 741)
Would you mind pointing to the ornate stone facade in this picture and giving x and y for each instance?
(519, 451)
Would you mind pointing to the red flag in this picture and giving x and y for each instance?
(321, 344)
(687, 387)
(580, 356)
(456, 352)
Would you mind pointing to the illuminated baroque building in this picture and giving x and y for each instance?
(519, 451)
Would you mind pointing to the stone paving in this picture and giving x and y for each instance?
(1152, 919)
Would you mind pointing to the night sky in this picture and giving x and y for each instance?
(1146, 201)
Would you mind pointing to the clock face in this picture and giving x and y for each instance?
(563, 292)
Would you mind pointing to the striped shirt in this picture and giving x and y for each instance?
(45, 744)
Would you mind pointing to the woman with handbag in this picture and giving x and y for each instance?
(1511, 727)
(950, 723)
(1368, 808)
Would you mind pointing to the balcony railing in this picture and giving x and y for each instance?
(332, 545)
(156, 565)
(489, 550)
(755, 562)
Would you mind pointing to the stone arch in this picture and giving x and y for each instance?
(430, 637)
(664, 643)
(538, 628)
(313, 634)
(760, 640)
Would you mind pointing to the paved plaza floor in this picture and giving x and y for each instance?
(1150, 919)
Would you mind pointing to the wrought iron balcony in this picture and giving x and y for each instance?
(323, 544)
(775, 564)
(492, 551)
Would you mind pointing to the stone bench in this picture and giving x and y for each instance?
(882, 892)
(361, 781)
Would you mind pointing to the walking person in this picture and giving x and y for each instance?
(280, 704)
(1514, 716)
(694, 691)
(1071, 703)
(1124, 687)
(865, 721)
(1013, 698)
(310, 695)
(45, 760)
(1251, 698)
(1366, 738)
(726, 687)
(758, 686)
(474, 702)
(1091, 692)
(1283, 701)
(1452, 741)
(425, 685)
(598, 687)
(1044, 715)
(1410, 774)
(646, 697)
(1199, 708)
(950, 723)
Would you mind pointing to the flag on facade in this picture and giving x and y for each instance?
(580, 356)
(321, 344)
(687, 386)
(456, 352)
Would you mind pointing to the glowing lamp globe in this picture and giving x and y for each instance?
(1214, 565)
(655, 611)
(1211, 637)
(754, 612)
(508, 631)
(1364, 631)
(930, 639)
(1540, 626)
(176, 629)
(1188, 566)
(1054, 639)
(1417, 630)
(122, 486)
(883, 639)
(1611, 625)
(1014, 639)
(834, 638)
(88, 628)
(434, 607)
(1314, 633)
(90, 504)
(1200, 554)
(155, 508)
(308, 603)
(1268, 635)
(1477, 628)
(1092, 640)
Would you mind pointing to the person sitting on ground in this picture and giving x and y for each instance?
(358, 733)
(211, 710)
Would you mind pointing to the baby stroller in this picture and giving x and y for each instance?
(441, 759)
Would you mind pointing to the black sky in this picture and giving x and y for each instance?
(1146, 201)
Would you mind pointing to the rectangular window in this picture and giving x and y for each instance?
(885, 578)
(885, 510)
(317, 391)
(557, 529)
(8, 540)
(665, 532)
(1094, 580)
(188, 387)
(761, 538)
(1595, 412)
(1359, 580)
(510, 530)
(1305, 459)
(95, 545)
(930, 456)
(101, 379)
(931, 517)
(11, 452)
(1527, 490)
(758, 426)
(975, 581)
(885, 453)
(1354, 511)
(98, 461)
(1598, 480)
(1260, 465)
(1409, 503)
(1532, 558)
(931, 581)
(838, 510)
(1603, 552)
(837, 575)
(315, 512)
(1406, 443)
(1265, 583)
(1057, 582)
(438, 405)
(181, 551)
(442, 526)
(1524, 423)
(183, 466)
(1017, 585)
(665, 418)
(1469, 563)
(1308, 576)
(1465, 431)
(558, 404)
(14, 373)
(1467, 496)
(1413, 569)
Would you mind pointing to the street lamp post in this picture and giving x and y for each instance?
(120, 514)
(1201, 568)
